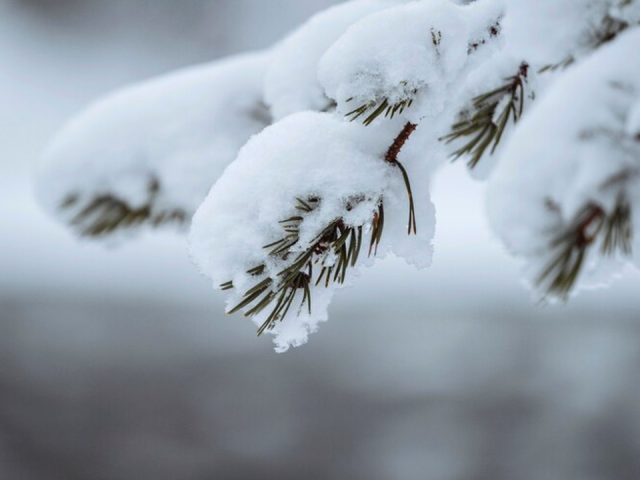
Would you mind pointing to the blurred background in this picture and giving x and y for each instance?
(119, 364)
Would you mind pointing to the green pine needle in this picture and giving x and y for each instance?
(381, 107)
(335, 250)
(567, 62)
(569, 250)
(107, 214)
(618, 231)
(483, 126)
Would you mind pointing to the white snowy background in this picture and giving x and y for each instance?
(117, 363)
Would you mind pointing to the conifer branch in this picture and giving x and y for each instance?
(569, 249)
(484, 124)
(331, 253)
(106, 214)
(376, 108)
(389, 108)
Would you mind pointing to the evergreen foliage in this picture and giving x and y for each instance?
(104, 215)
(568, 250)
(482, 127)
(330, 255)
(409, 62)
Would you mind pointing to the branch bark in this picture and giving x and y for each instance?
(392, 158)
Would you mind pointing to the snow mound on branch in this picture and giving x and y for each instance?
(567, 154)
(306, 155)
(548, 32)
(415, 51)
(627, 11)
(291, 83)
(157, 146)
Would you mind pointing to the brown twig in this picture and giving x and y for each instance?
(589, 227)
(494, 31)
(392, 158)
(398, 143)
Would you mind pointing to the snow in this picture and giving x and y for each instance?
(291, 83)
(565, 152)
(306, 155)
(561, 29)
(179, 131)
(627, 11)
(633, 122)
(430, 48)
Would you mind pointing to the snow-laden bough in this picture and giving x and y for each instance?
(303, 206)
(566, 190)
(148, 154)
(365, 101)
(291, 83)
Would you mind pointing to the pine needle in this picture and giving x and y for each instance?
(337, 241)
(382, 107)
(484, 124)
(105, 214)
(334, 250)
(570, 248)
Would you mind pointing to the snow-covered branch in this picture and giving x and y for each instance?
(148, 155)
(314, 152)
